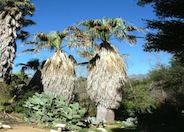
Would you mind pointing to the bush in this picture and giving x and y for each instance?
(136, 98)
(6, 100)
(171, 80)
(47, 110)
(21, 98)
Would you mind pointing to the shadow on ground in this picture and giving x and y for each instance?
(166, 119)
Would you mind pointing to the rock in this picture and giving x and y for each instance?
(51, 130)
(60, 127)
(102, 129)
(130, 122)
(6, 126)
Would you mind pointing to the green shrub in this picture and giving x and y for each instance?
(6, 100)
(171, 80)
(47, 110)
(21, 98)
(137, 99)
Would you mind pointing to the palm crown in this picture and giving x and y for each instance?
(88, 32)
(52, 41)
(19, 9)
(105, 29)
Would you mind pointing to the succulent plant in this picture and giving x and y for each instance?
(48, 110)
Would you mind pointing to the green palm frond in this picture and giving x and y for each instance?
(77, 38)
(90, 23)
(52, 41)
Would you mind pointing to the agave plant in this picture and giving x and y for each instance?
(58, 73)
(106, 69)
(12, 19)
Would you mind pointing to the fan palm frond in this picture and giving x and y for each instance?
(33, 64)
(52, 41)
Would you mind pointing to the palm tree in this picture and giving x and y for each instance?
(58, 73)
(106, 69)
(35, 65)
(12, 19)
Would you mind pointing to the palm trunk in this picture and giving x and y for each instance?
(58, 76)
(9, 25)
(106, 80)
(105, 113)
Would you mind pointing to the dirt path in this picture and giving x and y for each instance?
(23, 128)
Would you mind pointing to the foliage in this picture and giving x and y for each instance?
(141, 96)
(136, 97)
(22, 96)
(6, 100)
(17, 92)
(88, 33)
(52, 41)
(18, 79)
(171, 80)
(169, 27)
(48, 110)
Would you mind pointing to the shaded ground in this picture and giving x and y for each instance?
(164, 120)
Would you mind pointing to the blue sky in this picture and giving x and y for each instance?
(57, 15)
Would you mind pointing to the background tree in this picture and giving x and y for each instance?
(58, 73)
(12, 19)
(137, 98)
(170, 80)
(168, 28)
(106, 69)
